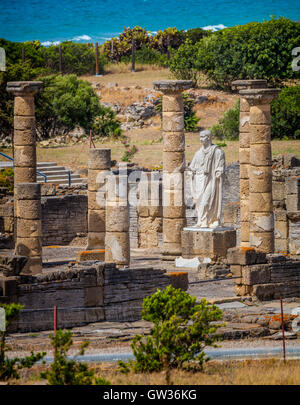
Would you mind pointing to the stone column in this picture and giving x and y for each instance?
(173, 165)
(99, 164)
(260, 175)
(117, 244)
(24, 130)
(244, 155)
(29, 226)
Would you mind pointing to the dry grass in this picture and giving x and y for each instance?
(246, 372)
(144, 76)
(149, 144)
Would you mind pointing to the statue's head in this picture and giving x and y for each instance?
(205, 137)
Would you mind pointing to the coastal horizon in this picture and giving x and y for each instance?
(97, 21)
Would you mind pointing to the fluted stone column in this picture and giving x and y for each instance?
(173, 165)
(117, 243)
(24, 130)
(99, 164)
(260, 174)
(29, 226)
(244, 155)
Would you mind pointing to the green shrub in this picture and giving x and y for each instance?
(69, 372)
(67, 102)
(228, 125)
(183, 62)
(196, 34)
(190, 119)
(122, 45)
(181, 330)
(250, 51)
(9, 366)
(147, 55)
(7, 178)
(77, 59)
(169, 38)
(106, 124)
(285, 114)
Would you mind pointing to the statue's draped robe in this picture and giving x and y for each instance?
(206, 188)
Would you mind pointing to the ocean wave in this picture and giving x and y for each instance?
(83, 37)
(214, 28)
(49, 43)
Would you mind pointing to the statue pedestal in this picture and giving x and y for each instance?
(203, 243)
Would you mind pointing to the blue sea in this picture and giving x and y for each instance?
(52, 21)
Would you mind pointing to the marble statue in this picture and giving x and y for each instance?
(207, 167)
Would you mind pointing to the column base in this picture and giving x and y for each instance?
(211, 243)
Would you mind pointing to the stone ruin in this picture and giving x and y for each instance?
(259, 243)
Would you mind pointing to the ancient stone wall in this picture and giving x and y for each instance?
(63, 217)
(86, 293)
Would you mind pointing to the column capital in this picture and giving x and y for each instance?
(172, 86)
(249, 84)
(24, 88)
(259, 96)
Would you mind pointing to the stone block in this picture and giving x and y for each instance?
(29, 228)
(172, 229)
(293, 202)
(29, 209)
(244, 139)
(29, 191)
(245, 232)
(244, 189)
(24, 106)
(281, 245)
(173, 162)
(244, 170)
(260, 202)
(24, 123)
(242, 290)
(174, 142)
(25, 156)
(96, 240)
(117, 219)
(244, 209)
(205, 242)
(261, 222)
(24, 138)
(87, 255)
(278, 191)
(244, 105)
(257, 274)
(244, 121)
(172, 122)
(281, 229)
(24, 175)
(179, 280)
(244, 155)
(264, 292)
(96, 220)
(245, 256)
(260, 154)
(96, 200)
(99, 159)
(33, 266)
(260, 115)
(174, 212)
(28, 246)
(260, 134)
(292, 185)
(97, 180)
(117, 247)
(172, 103)
(236, 270)
(171, 250)
(93, 296)
(260, 179)
(263, 241)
